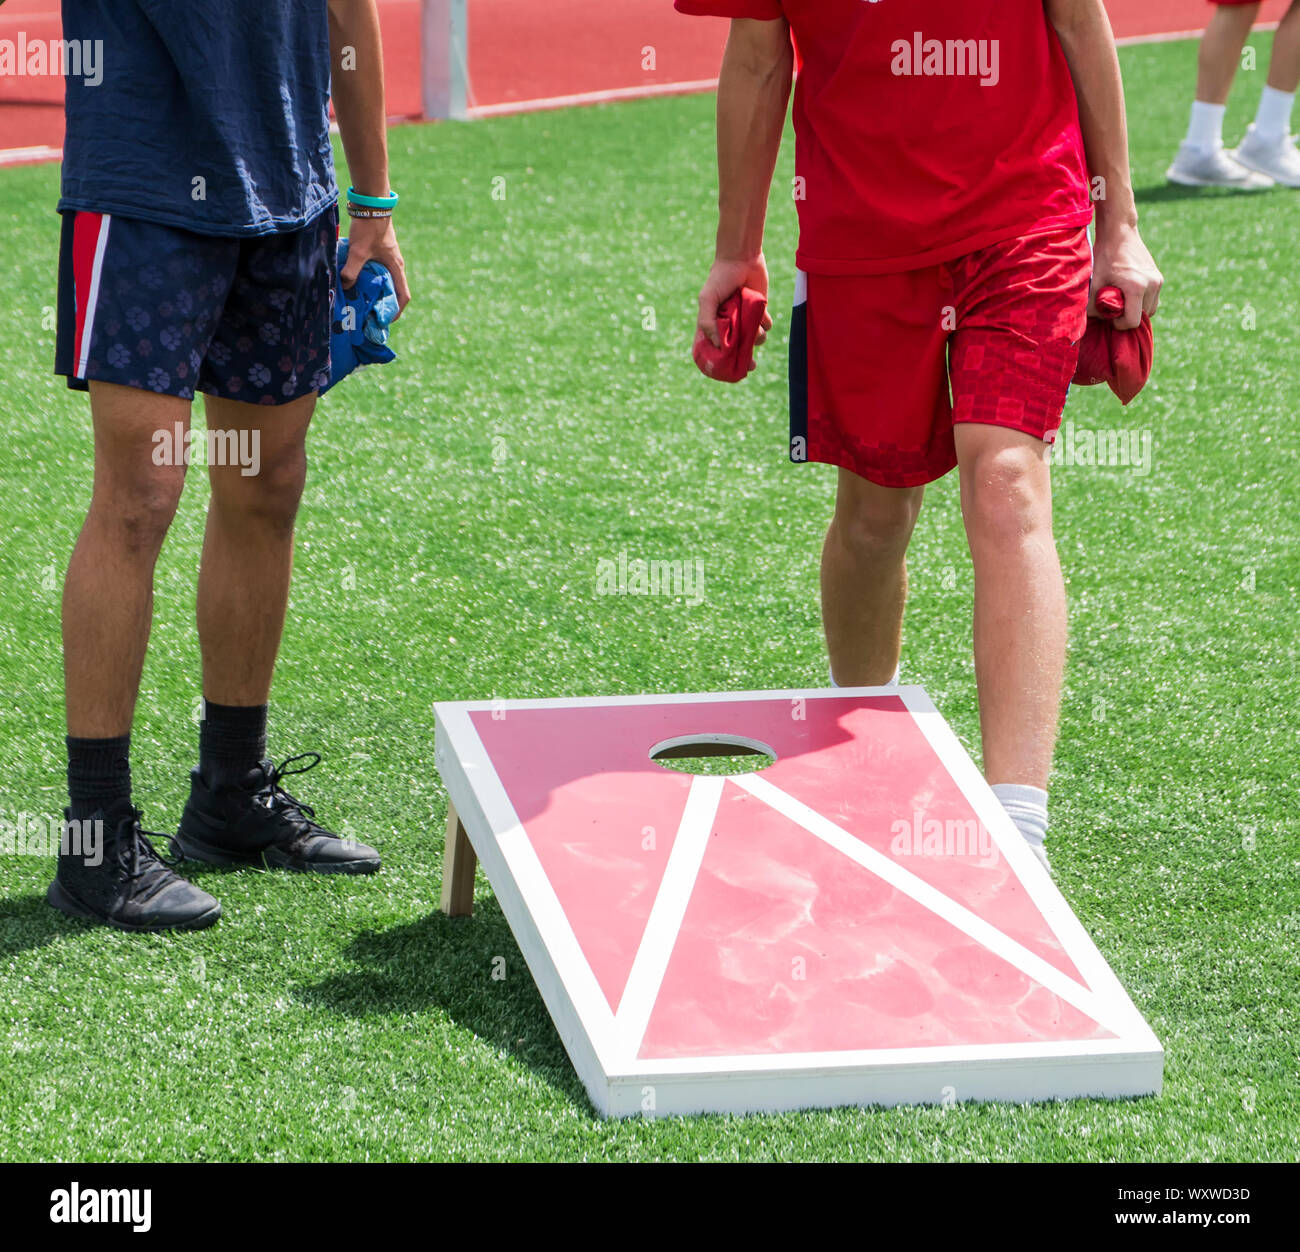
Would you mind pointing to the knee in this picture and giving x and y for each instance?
(277, 488)
(139, 511)
(877, 524)
(1006, 499)
(269, 495)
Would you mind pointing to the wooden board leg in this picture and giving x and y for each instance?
(458, 865)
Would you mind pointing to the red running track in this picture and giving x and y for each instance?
(523, 54)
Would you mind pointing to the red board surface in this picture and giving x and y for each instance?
(787, 946)
(786, 943)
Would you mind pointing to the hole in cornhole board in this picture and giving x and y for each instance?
(713, 754)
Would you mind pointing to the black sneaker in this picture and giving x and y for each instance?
(257, 822)
(130, 886)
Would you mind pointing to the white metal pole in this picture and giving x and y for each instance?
(444, 69)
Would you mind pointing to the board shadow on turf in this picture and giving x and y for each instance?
(472, 970)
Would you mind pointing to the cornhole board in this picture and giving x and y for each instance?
(857, 923)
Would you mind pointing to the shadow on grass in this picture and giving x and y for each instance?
(27, 923)
(1162, 193)
(447, 963)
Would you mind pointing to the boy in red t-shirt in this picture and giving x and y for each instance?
(943, 159)
(1268, 153)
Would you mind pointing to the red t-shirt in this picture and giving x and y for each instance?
(925, 129)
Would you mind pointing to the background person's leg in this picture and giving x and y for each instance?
(1268, 147)
(108, 591)
(1202, 159)
(1220, 52)
(248, 549)
(1020, 613)
(1284, 67)
(864, 578)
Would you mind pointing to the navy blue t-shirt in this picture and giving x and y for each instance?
(212, 115)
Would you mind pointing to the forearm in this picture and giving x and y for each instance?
(1089, 45)
(753, 93)
(357, 63)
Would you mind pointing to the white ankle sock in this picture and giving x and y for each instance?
(893, 682)
(1205, 130)
(1273, 121)
(1027, 807)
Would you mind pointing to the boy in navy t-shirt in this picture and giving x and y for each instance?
(200, 223)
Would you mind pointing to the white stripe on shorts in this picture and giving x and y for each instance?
(92, 297)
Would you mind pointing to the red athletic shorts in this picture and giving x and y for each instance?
(882, 365)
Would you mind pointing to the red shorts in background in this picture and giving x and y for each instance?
(883, 365)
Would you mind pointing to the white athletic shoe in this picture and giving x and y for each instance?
(1041, 853)
(1278, 159)
(1213, 167)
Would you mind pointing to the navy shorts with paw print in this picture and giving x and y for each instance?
(165, 310)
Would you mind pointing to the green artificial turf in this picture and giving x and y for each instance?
(544, 416)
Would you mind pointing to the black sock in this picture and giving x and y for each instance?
(232, 742)
(99, 774)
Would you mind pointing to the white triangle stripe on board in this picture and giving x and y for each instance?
(666, 914)
(969, 923)
(687, 856)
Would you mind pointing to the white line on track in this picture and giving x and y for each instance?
(21, 156)
(1173, 36)
(594, 97)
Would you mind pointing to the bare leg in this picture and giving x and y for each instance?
(1284, 69)
(248, 549)
(108, 592)
(864, 578)
(1220, 52)
(1020, 615)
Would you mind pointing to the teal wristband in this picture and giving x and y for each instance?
(373, 202)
